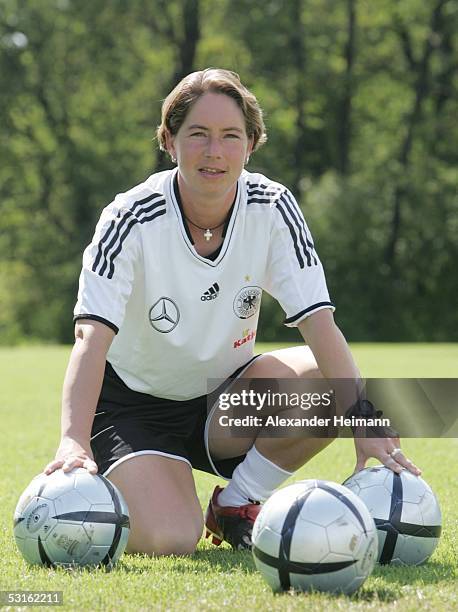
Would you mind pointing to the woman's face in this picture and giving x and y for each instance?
(211, 147)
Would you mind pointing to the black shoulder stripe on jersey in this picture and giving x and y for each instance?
(299, 230)
(281, 210)
(111, 227)
(125, 213)
(263, 186)
(128, 218)
(267, 192)
(262, 192)
(123, 216)
(102, 241)
(292, 215)
(260, 200)
(134, 221)
(299, 216)
(156, 204)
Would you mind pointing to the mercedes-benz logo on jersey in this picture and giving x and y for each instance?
(247, 302)
(164, 315)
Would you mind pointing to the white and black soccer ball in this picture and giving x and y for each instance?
(405, 510)
(314, 535)
(71, 519)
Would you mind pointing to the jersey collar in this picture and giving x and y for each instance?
(215, 257)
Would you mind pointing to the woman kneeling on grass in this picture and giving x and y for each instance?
(169, 297)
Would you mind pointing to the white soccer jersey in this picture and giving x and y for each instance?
(181, 318)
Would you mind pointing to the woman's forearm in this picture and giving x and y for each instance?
(83, 380)
(329, 346)
(333, 357)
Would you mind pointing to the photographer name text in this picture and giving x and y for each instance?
(277, 421)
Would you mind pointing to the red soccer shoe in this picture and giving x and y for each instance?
(231, 524)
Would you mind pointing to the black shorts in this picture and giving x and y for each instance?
(128, 423)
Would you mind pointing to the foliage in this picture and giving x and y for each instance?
(360, 104)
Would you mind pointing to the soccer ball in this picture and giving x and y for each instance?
(405, 510)
(314, 535)
(71, 519)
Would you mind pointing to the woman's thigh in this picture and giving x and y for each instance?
(294, 362)
(165, 514)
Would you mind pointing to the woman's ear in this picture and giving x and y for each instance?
(249, 150)
(169, 145)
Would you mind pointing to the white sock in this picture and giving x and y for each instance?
(254, 479)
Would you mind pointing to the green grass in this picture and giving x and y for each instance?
(217, 578)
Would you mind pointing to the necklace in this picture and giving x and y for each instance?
(208, 235)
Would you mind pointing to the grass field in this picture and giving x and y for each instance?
(212, 579)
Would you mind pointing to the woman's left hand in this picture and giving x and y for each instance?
(387, 451)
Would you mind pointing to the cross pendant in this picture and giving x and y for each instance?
(207, 235)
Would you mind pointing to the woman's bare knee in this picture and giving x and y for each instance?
(165, 514)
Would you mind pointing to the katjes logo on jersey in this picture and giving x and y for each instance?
(247, 302)
(248, 335)
(211, 293)
(164, 315)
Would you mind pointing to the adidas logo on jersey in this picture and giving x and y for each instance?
(211, 293)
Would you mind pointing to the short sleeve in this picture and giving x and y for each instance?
(109, 264)
(294, 275)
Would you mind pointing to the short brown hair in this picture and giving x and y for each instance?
(216, 80)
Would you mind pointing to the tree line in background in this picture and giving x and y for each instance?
(360, 106)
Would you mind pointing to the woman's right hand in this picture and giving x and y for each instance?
(71, 454)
